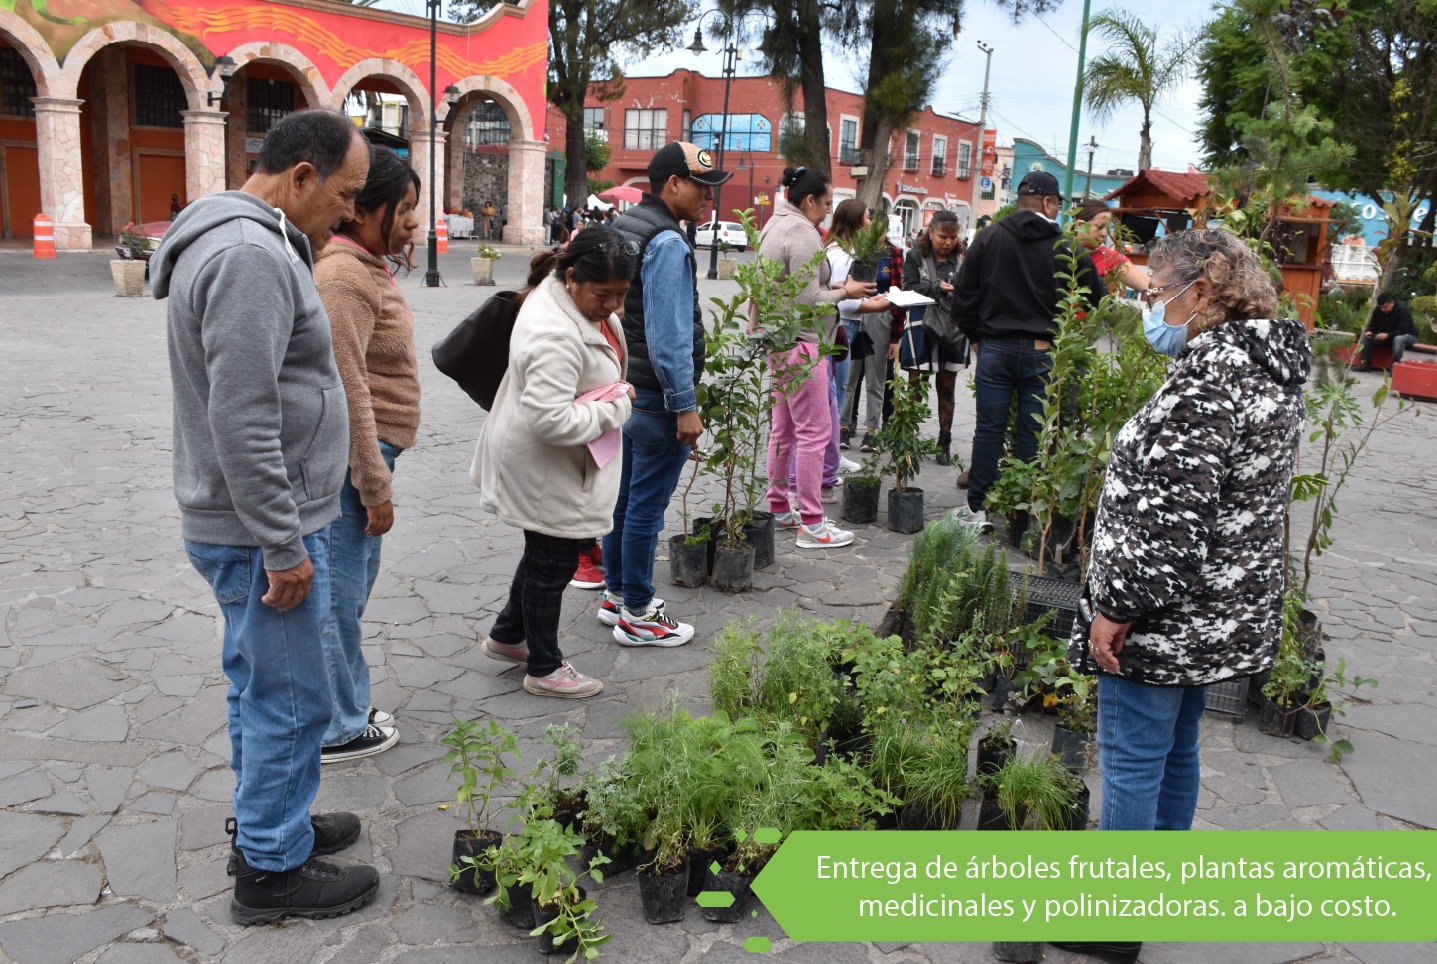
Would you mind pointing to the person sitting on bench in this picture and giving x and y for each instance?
(1391, 325)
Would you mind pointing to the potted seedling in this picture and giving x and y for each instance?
(936, 783)
(1077, 719)
(476, 757)
(860, 490)
(1037, 787)
(904, 448)
(1283, 693)
(566, 804)
(129, 269)
(726, 264)
(483, 264)
(868, 247)
(689, 551)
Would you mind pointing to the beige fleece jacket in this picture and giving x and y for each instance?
(373, 333)
(791, 238)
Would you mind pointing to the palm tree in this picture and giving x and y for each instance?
(1133, 68)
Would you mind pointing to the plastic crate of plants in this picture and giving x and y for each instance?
(1229, 697)
(1045, 593)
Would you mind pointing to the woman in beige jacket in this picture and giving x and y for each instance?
(533, 462)
(373, 334)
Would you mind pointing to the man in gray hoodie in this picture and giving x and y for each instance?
(261, 441)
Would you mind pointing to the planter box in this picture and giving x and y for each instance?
(483, 270)
(1415, 380)
(725, 268)
(129, 277)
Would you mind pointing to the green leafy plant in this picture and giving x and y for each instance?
(1078, 702)
(134, 241)
(937, 778)
(1037, 787)
(476, 756)
(901, 440)
(869, 245)
(490, 252)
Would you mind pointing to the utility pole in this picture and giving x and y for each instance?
(1092, 147)
(982, 126)
(1077, 102)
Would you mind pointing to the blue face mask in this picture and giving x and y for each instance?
(1165, 338)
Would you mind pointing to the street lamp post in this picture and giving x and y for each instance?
(451, 96)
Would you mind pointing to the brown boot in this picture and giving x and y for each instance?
(963, 480)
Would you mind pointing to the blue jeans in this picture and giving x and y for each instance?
(653, 460)
(840, 370)
(279, 698)
(353, 567)
(1148, 753)
(1006, 367)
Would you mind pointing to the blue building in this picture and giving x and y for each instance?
(1028, 156)
(1369, 214)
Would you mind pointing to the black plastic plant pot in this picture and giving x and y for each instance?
(759, 534)
(1017, 528)
(1021, 952)
(688, 564)
(861, 271)
(1002, 689)
(736, 884)
(1310, 723)
(905, 510)
(520, 912)
(1275, 720)
(916, 816)
(699, 861)
(665, 896)
(992, 817)
(620, 858)
(860, 501)
(991, 758)
(1070, 747)
(714, 525)
(733, 569)
(544, 915)
(1075, 817)
(473, 880)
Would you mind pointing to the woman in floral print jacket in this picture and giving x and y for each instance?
(1186, 577)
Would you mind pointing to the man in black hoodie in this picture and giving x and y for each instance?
(1005, 300)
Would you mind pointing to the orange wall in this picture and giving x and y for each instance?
(22, 186)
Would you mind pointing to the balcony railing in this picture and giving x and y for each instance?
(940, 167)
(965, 171)
(847, 154)
(910, 162)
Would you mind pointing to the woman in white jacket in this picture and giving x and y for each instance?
(533, 464)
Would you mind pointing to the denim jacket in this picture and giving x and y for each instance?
(669, 318)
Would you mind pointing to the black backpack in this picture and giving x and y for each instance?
(476, 353)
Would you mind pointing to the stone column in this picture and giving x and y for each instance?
(62, 170)
(204, 152)
(419, 158)
(526, 193)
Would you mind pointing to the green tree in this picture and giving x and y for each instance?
(1366, 66)
(588, 42)
(1135, 66)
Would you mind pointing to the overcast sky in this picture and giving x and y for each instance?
(1031, 89)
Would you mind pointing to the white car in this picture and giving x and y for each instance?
(729, 232)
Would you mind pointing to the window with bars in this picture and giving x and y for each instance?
(848, 141)
(488, 125)
(267, 101)
(159, 97)
(965, 160)
(644, 130)
(16, 83)
(910, 150)
(940, 155)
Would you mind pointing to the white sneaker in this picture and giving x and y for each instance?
(824, 535)
(976, 520)
(847, 465)
(652, 628)
(611, 607)
(787, 520)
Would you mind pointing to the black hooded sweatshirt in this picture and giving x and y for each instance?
(1008, 286)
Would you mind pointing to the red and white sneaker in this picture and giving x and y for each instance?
(611, 608)
(787, 520)
(504, 652)
(823, 535)
(565, 683)
(588, 575)
(653, 628)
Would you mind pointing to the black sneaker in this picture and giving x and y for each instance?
(844, 435)
(374, 739)
(317, 890)
(867, 445)
(333, 832)
(944, 458)
(1115, 952)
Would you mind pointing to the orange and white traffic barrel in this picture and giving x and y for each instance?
(44, 236)
(441, 231)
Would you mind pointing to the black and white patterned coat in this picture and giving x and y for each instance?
(1188, 540)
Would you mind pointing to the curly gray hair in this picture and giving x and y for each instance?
(1241, 286)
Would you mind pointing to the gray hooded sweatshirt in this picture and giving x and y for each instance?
(261, 424)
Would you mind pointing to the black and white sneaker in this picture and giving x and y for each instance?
(374, 739)
(378, 717)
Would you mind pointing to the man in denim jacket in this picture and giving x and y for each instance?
(664, 330)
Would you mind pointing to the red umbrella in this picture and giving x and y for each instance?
(625, 193)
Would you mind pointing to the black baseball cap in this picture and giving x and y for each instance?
(1039, 182)
(687, 161)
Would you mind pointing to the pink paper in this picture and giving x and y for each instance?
(606, 446)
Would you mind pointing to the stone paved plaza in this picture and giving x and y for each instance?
(114, 784)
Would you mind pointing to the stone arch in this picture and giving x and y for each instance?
(193, 76)
(306, 74)
(33, 50)
(521, 124)
(410, 86)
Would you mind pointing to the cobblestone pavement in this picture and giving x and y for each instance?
(113, 775)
